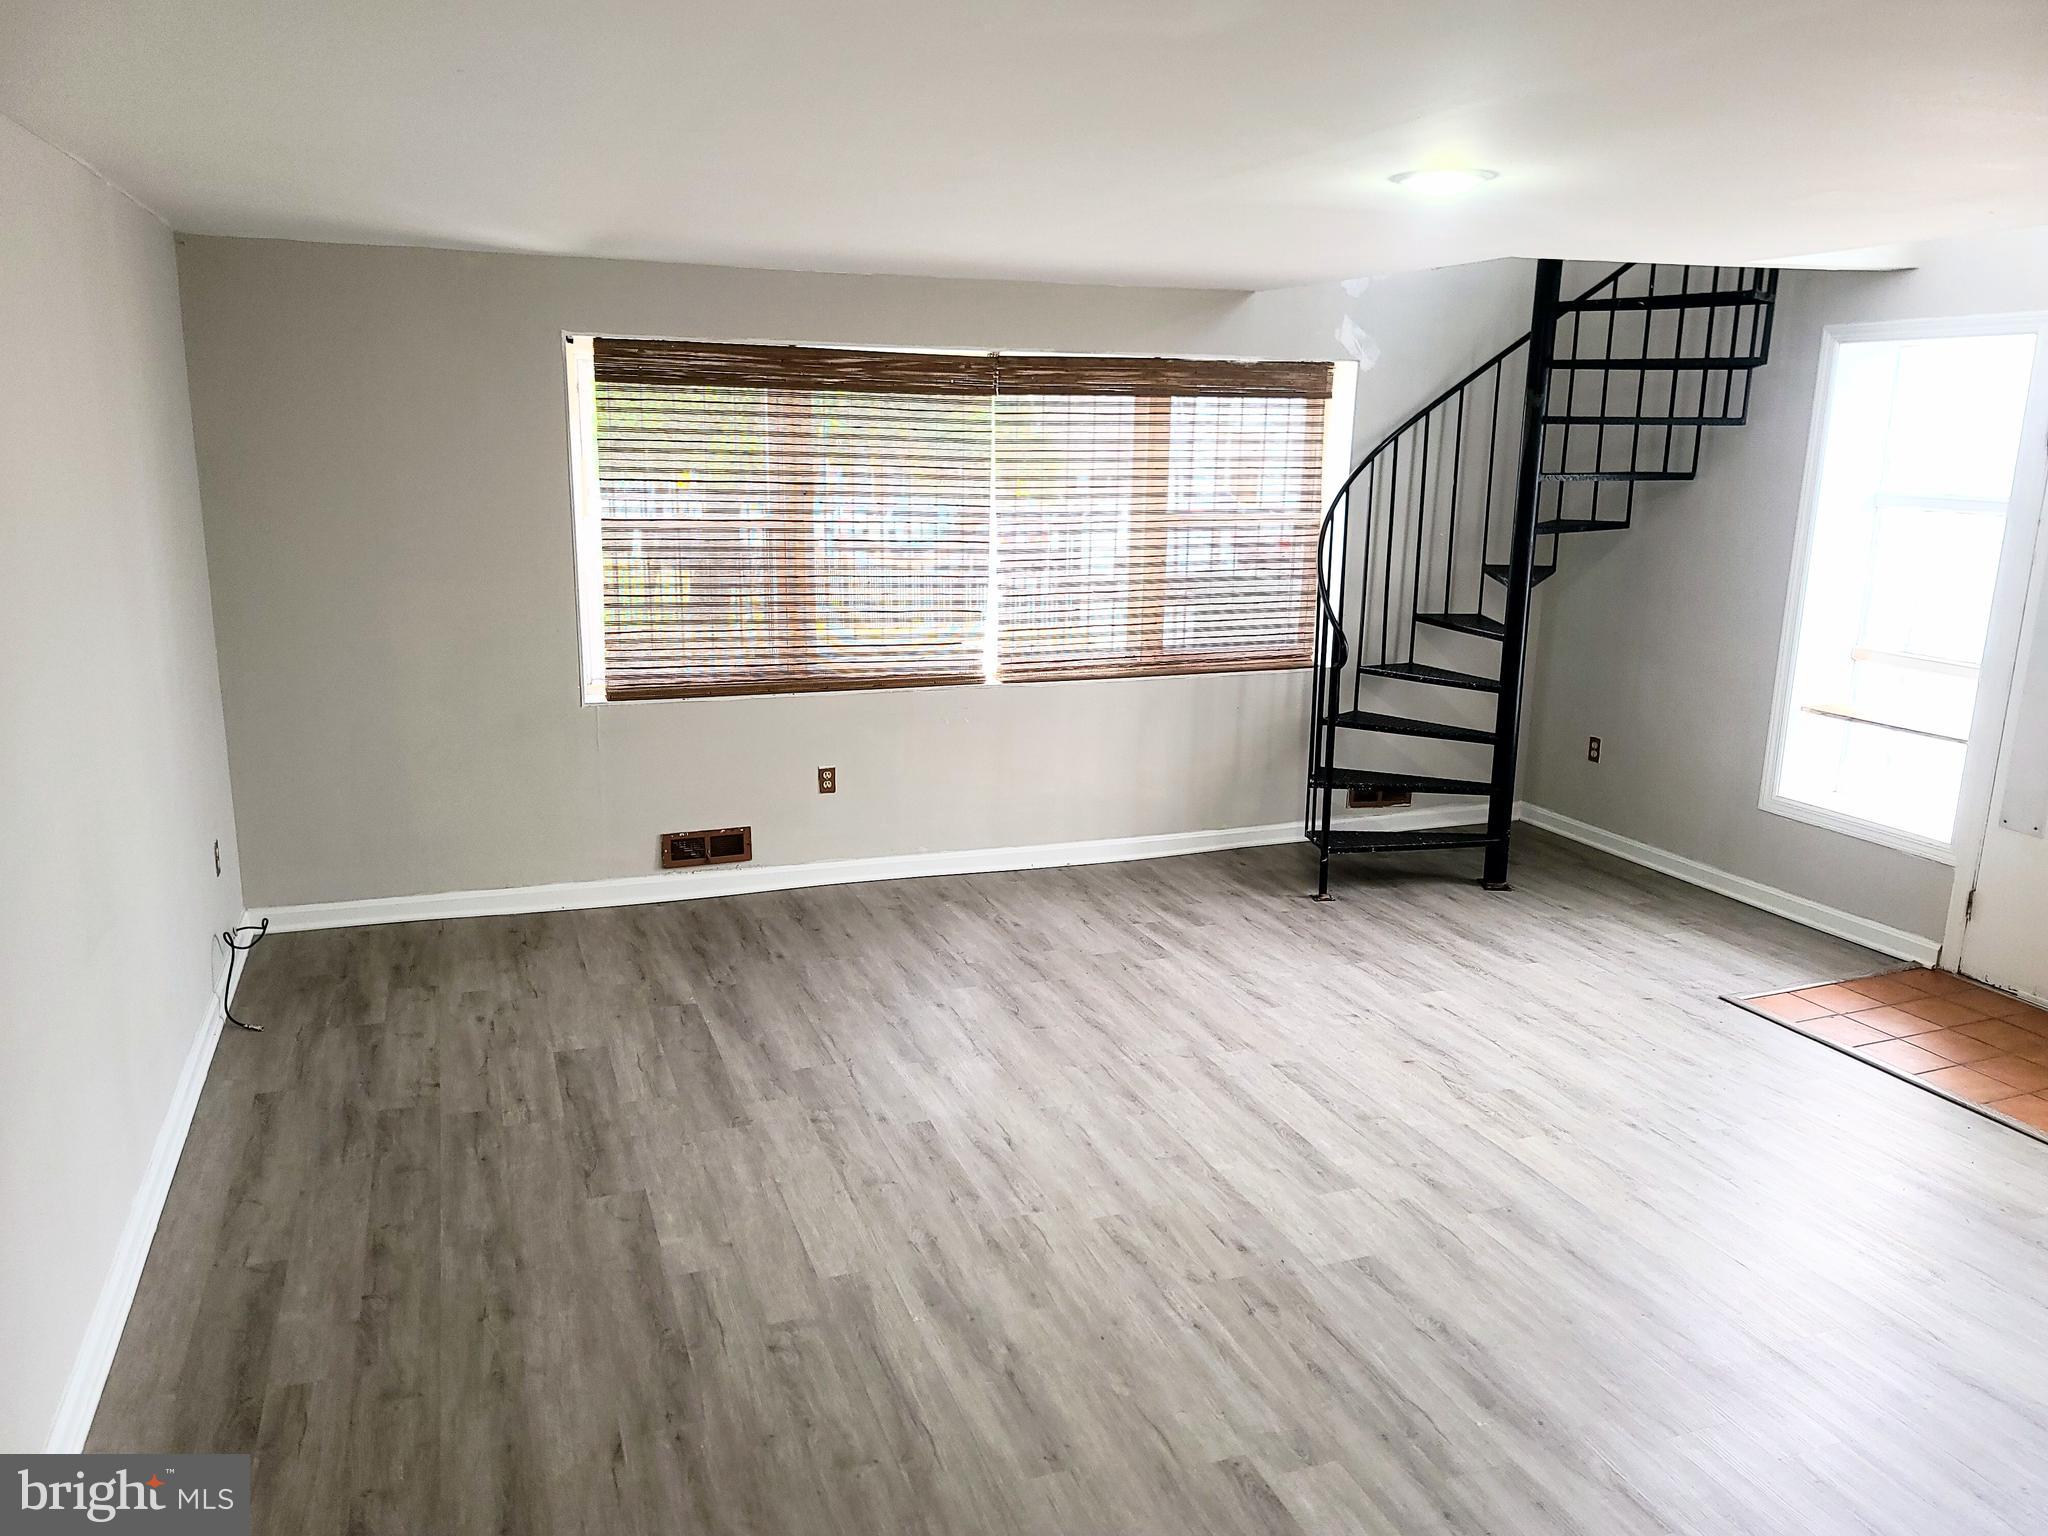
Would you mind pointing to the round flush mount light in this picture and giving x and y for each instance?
(1442, 182)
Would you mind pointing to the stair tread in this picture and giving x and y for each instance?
(1712, 298)
(1644, 421)
(1405, 725)
(1658, 364)
(1466, 623)
(1419, 783)
(1579, 525)
(1441, 677)
(1345, 840)
(1615, 474)
(1500, 572)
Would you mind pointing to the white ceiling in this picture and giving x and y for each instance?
(1229, 143)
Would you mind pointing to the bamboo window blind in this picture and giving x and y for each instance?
(793, 519)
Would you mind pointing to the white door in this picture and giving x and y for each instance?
(2004, 911)
(1998, 922)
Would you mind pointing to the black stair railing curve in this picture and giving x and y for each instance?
(1341, 497)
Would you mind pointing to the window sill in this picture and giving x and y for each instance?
(1855, 826)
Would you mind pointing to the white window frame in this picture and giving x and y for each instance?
(586, 509)
(1994, 676)
(586, 528)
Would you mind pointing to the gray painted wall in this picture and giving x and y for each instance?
(113, 768)
(1663, 641)
(384, 458)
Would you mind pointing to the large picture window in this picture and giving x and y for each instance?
(760, 519)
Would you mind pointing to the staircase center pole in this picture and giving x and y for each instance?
(1521, 583)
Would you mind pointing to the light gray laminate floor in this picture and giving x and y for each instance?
(1127, 1199)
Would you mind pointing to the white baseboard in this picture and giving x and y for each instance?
(739, 880)
(110, 1314)
(1843, 925)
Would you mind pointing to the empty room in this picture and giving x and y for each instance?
(1024, 769)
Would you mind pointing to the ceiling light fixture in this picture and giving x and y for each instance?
(1442, 182)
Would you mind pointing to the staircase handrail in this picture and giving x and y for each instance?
(1342, 650)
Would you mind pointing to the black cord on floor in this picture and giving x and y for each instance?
(237, 945)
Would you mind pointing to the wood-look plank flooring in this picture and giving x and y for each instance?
(1126, 1199)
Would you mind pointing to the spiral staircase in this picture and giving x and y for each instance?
(1437, 540)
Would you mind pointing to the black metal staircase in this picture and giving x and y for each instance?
(1433, 547)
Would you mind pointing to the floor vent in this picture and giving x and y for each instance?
(1376, 799)
(694, 850)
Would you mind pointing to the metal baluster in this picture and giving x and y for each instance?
(1500, 807)
(1328, 718)
(1420, 544)
(1451, 545)
(1372, 485)
(1600, 432)
(1318, 653)
(1387, 574)
(1677, 353)
(1492, 447)
(1734, 328)
(1628, 510)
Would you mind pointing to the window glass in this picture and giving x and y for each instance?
(773, 518)
(1918, 453)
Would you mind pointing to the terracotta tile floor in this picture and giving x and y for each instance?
(1968, 1041)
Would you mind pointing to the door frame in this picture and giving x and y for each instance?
(2019, 583)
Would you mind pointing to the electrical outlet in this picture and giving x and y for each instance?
(1592, 749)
(828, 781)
